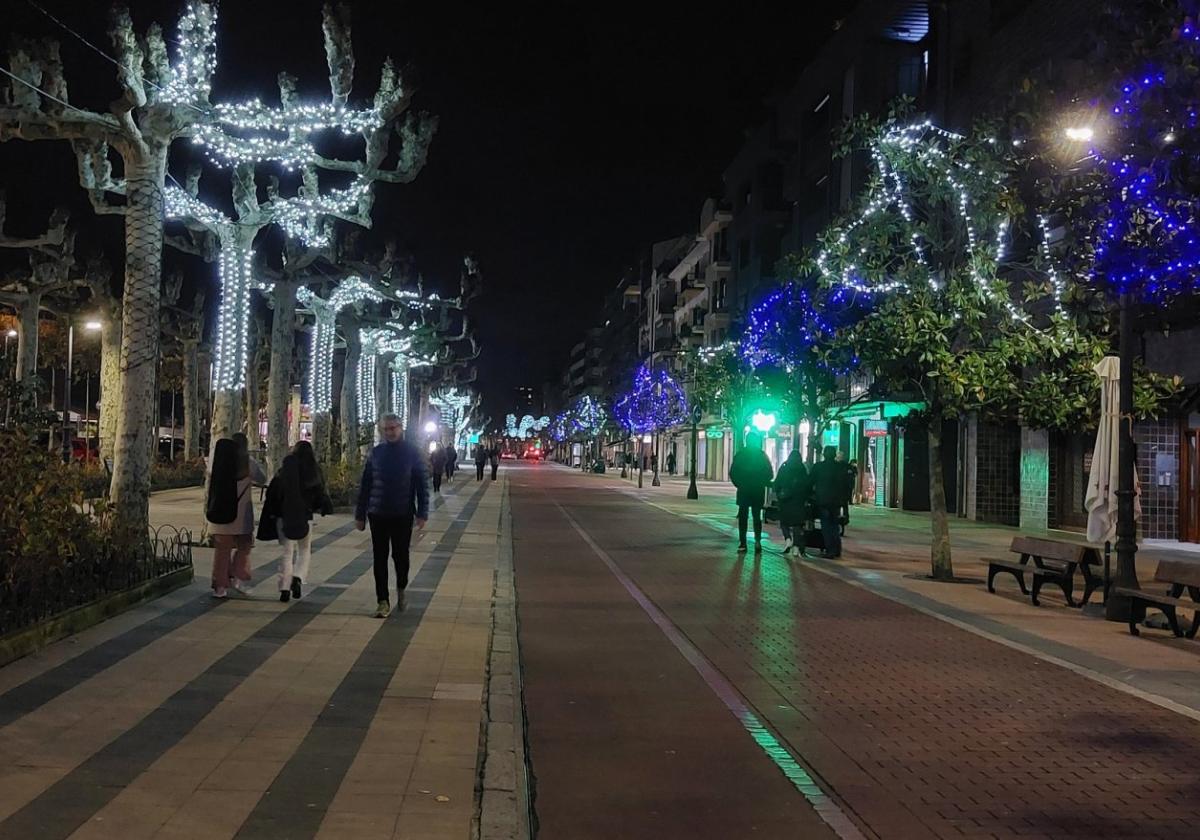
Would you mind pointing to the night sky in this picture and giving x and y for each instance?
(572, 135)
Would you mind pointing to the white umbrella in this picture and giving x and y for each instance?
(1101, 499)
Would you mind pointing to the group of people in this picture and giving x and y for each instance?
(296, 493)
(393, 498)
(804, 494)
(484, 456)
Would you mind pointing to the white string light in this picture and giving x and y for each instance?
(320, 368)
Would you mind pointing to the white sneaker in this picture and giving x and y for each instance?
(240, 586)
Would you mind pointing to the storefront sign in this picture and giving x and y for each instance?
(875, 428)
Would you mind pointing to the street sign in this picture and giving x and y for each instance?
(875, 428)
(697, 413)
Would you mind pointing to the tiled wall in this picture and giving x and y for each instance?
(998, 455)
(1158, 470)
(1035, 479)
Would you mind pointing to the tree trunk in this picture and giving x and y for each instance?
(233, 328)
(322, 432)
(941, 566)
(27, 336)
(349, 395)
(130, 489)
(383, 391)
(227, 414)
(191, 399)
(250, 421)
(279, 380)
(110, 385)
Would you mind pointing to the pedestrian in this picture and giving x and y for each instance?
(437, 466)
(750, 472)
(791, 490)
(829, 489)
(671, 461)
(295, 494)
(494, 459)
(451, 461)
(481, 459)
(654, 462)
(230, 513)
(393, 495)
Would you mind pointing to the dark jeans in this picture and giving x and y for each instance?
(743, 515)
(831, 530)
(495, 467)
(437, 481)
(394, 532)
(479, 472)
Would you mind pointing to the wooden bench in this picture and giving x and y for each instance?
(1179, 575)
(1054, 561)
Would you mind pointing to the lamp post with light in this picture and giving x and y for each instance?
(89, 326)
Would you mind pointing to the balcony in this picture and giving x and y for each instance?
(692, 291)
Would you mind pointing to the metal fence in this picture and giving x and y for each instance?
(33, 594)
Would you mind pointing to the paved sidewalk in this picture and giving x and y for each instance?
(887, 552)
(194, 718)
(908, 725)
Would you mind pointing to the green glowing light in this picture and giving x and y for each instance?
(763, 422)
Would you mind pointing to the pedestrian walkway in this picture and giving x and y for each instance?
(196, 718)
(885, 719)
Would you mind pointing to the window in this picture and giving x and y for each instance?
(721, 288)
(911, 76)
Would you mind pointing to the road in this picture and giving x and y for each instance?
(674, 688)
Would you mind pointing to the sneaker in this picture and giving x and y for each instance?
(296, 592)
(240, 586)
(285, 595)
(400, 600)
(383, 609)
(741, 548)
(220, 592)
(787, 547)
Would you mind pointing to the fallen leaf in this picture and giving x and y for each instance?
(442, 798)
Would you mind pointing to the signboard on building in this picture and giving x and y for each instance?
(875, 428)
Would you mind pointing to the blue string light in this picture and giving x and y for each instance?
(655, 402)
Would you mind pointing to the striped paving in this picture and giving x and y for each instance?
(256, 719)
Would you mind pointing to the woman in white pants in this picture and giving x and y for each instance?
(295, 494)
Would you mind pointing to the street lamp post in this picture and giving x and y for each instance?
(1117, 608)
(692, 492)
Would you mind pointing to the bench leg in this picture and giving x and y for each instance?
(1091, 583)
(1037, 588)
(1067, 582)
(1172, 620)
(994, 570)
(1133, 617)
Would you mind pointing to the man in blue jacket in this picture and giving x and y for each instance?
(393, 495)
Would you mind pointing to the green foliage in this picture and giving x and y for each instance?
(341, 481)
(42, 518)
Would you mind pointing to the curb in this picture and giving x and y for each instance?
(505, 802)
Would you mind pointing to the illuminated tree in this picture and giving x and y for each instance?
(163, 100)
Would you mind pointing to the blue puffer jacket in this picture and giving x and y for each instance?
(394, 482)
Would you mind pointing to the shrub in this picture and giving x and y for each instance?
(341, 480)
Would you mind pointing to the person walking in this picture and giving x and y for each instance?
(451, 461)
(671, 461)
(494, 460)
(230, 514)
(295, 494)
(437, 466)
(481, 459)
(829, 489)
(751, 472)
(393, 495)
(791, 489)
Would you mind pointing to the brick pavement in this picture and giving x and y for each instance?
(921, 728)
(249, 718)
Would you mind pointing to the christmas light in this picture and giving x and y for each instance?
(655, 402)
(320, 368)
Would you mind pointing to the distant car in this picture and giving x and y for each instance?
(533, 454)
(508, 456)
(83, 450)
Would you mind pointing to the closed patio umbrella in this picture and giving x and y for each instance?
(1101, 498)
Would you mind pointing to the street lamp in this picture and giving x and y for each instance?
(90, 326)
(697, 411)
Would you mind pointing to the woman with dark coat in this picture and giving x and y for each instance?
(296, 493)
(792, 491)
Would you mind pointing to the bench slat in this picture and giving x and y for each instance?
(1186, 572)
(1059, 550)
